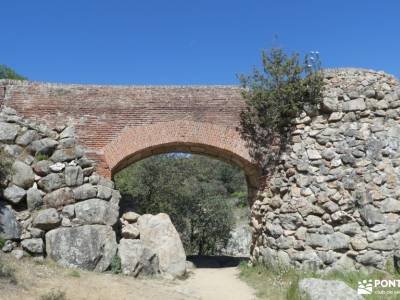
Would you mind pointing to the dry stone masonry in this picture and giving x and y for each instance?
(55, 205)
(334, 200)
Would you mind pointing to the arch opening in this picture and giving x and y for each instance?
(177, 183)
(251, 173)
(223, 143)
(220, 142)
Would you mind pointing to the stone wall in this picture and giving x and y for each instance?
(334, 199)
(53, 202)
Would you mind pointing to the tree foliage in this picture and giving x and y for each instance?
(280, 92)
(194, 190)
(8, 73)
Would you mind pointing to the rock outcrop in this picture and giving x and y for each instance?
(10, 229)
(158, 233)
(137, 259)
(318, 289)
(147, 235)
(89, 247)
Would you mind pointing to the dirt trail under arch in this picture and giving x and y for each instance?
(35, 280)
(217, 284)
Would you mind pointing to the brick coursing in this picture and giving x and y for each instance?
(100, 114)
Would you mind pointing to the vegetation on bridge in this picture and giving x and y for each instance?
(280, 92)
(8, 73)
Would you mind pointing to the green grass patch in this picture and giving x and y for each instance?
(54, 295)
(268, 283)
(40, 156)
(283, 284)
(74, 273)
(2, 242)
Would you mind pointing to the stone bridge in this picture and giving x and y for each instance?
(333, 201)
(119, 125)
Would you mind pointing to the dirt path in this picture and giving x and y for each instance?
(35, 280)
(217, 284)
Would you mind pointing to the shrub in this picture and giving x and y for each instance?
(116, 264)
(2, 242)
(8, 73)
(54, 295)
(280, 92)
(242, 199)
(7, 272)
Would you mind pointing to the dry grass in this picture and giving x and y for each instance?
(283, 284)
(48, 281)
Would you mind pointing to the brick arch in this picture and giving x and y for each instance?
(221, 142)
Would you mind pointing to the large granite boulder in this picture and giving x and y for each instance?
(42, 168)
(89, 247)
(9, 227)
(86, 191)
(158, 233)
(34, 198)
(14, 194)
(96, 211)
(51, 182)
(23, 175)
(34, 246)
(44, 146)
(27, 137)
(137, 259)
(47, 219)
(73, 175)
(8, 132)
(59, 198)
(318, 289)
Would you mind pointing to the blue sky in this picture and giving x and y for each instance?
(190, 42)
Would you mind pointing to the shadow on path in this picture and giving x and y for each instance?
(216, 261)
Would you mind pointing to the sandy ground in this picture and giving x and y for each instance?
(36, 279)
(217, 284)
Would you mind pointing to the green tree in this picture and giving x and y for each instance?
(8, 73)
(194, 190)
(280, 92)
